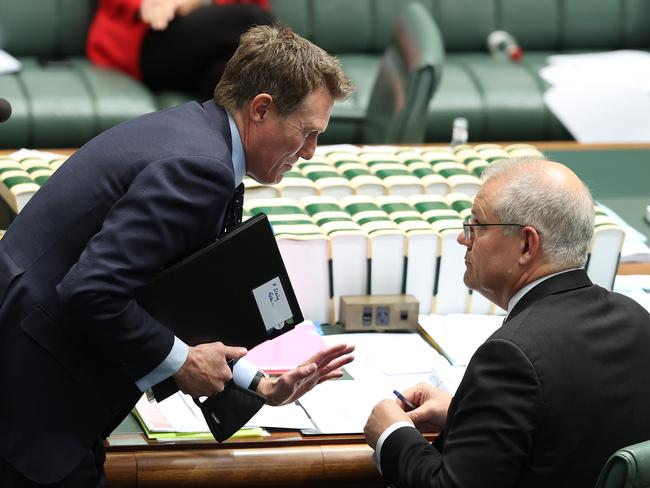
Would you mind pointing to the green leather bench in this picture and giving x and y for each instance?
(60, 100)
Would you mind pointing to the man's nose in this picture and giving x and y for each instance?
(463, 241)
(308, 149)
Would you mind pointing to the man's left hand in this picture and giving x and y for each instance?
(322, 366)
(383, 415)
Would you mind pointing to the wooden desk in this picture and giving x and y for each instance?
(282, 460)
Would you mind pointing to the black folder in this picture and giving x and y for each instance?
(235, 290)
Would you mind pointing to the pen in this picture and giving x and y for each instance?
(408, 404)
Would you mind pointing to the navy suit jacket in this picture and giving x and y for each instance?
(544, 401)
(73, 341)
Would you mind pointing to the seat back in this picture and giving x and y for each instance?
(363, 26)
(45, 28)
(628, 467)
(409, 72)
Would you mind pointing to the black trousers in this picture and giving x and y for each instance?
(88, 474)
(191, 54)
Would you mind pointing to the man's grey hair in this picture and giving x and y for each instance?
(563, 217)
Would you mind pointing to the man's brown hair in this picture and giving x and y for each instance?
(277, 61)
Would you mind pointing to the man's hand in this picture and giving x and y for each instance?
(383, 415)
(159, 13)
(431, 404)
(205, 371)
(322, 366)
(429, 415)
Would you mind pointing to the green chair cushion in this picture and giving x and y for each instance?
(512, 94)
(457, 95)
(66, 104)
(116, 97)
(14, 132)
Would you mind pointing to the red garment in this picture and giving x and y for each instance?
(116, 33)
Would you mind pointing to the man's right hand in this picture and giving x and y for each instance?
(431, 403)
(205, 371)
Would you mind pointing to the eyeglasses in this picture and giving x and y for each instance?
(468, 233)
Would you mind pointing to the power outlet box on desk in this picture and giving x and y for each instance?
(362, 313)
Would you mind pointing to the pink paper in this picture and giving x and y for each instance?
(288, 350)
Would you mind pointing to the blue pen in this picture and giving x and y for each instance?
(408, 404)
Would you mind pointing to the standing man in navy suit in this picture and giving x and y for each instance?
(76, 349)
(561, 385)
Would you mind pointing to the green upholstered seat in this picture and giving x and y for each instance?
(59, 99)
(628, 467)
(409, 72)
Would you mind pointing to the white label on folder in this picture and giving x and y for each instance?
(273, 304)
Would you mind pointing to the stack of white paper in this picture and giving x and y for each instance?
(601, 97)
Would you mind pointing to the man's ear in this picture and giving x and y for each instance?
(530, 245)
(259, 107)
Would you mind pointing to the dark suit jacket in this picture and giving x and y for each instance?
(73, 341)
(544, 401)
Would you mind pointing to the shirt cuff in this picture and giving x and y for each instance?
(167, 368)
(243, 372)
(376, 457)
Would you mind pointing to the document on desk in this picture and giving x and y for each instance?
(383, 362)
(458, 336)
(342, 406)
(291, 416)
(178, 416)
(445, 375)
(380, 354)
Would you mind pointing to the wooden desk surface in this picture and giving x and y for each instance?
(281, 460)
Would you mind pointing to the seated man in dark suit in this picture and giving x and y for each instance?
(561, 385)
(76, 348)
